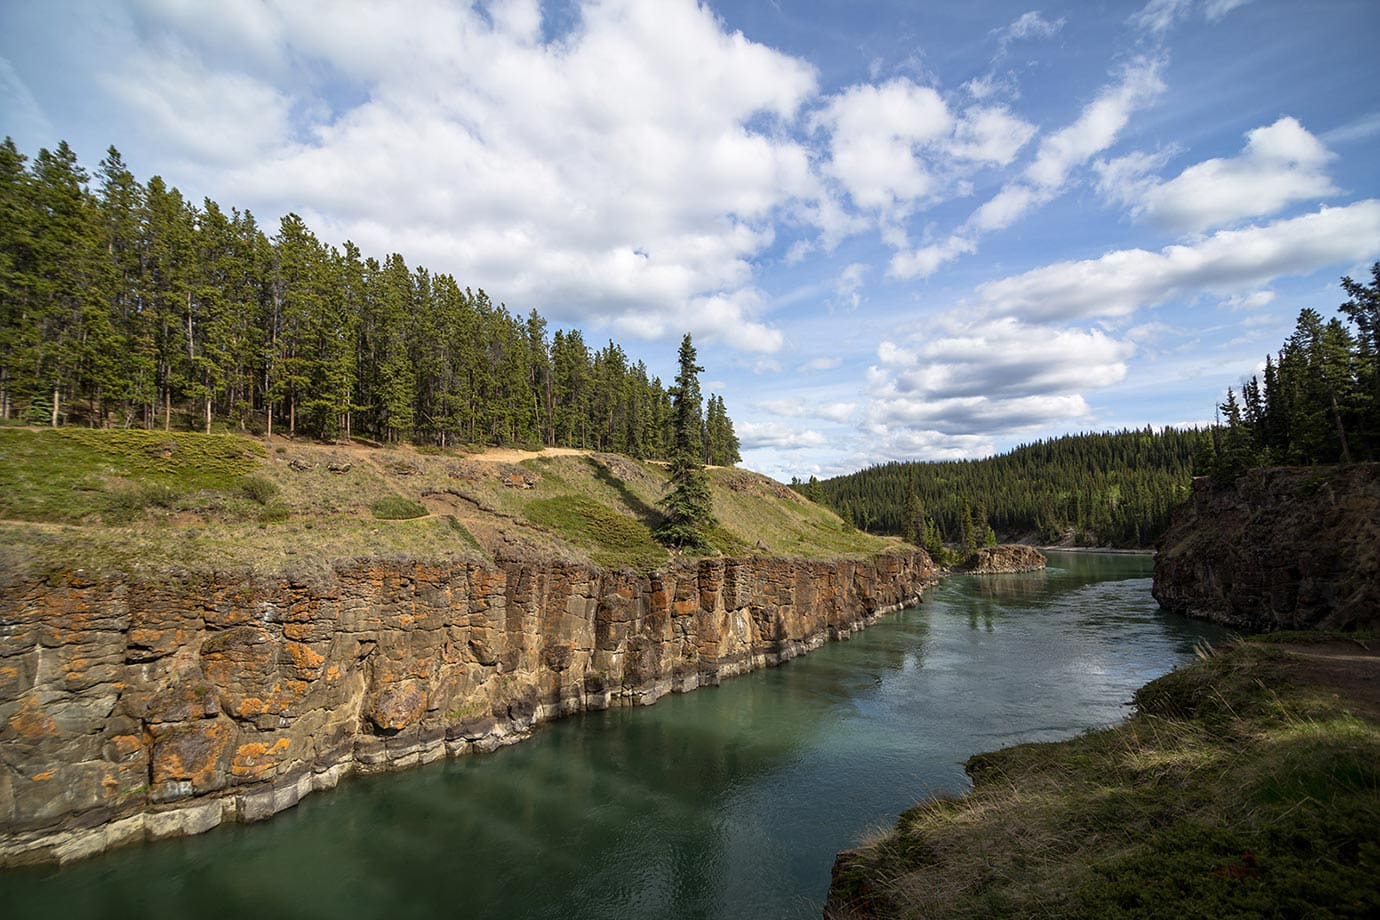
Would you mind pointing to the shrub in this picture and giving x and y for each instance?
(258, 489)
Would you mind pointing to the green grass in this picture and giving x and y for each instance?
(614, 540)
(110, 499)
(68, 474)
(1238, 790)
(396, 508)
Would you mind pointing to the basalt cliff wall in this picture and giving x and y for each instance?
(133, 709)
(1279, 548)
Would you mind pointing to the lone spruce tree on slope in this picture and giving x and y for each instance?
(689, 505)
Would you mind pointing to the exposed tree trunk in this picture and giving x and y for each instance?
(56, 394)
(208, 415)
(167, 408)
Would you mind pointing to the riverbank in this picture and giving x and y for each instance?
(1247, 784)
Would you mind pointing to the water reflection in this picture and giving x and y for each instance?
(727, 802)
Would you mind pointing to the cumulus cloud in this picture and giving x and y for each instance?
(1281, 164)
(875, 133)
(990, 134)
(997, 377)
(629, 171)
(1228, 261)
(777, 436)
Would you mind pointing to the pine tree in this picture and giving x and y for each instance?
(689, 505)
(913, 523)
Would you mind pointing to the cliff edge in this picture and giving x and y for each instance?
(1279, 548)
(202, 629)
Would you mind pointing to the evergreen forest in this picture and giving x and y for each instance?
(1318, 399)
(1116, 488)
(122, 304)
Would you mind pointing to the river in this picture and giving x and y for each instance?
(727, 802)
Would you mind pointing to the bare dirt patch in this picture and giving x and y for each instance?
(1350, 671)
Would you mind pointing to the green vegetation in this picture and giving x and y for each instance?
(688, 505)
(616, 540)
(1116, 488)
(70, 474)
(129, 306)
(1318, 401)
(176, 503)
(1243, 787)
(396, 508)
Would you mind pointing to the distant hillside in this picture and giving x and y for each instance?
(133, 500)
(1114, 488)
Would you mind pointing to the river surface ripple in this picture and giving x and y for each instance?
(727, 802)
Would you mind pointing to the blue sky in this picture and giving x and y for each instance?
(897, 230)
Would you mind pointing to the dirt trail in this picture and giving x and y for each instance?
(1350, 670)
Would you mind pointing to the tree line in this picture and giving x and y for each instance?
(1115, 488)
(124, 304)
(1318, 399)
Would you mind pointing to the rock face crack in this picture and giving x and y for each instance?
(131, 711)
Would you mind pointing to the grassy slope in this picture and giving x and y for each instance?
(158, 501)
(1246, 786)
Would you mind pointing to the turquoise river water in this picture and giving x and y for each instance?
(723, 803)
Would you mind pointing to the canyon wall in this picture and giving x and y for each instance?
(133, 709)
(1279, 548)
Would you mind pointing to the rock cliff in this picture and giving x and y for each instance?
(1008, 557)
(1280, 548)
(134, 709)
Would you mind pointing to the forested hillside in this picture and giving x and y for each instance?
(1115, 488)
(1318, 400)
(123, 304)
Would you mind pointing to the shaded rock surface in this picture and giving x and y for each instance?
(1280, 548)
(132, 710)
(1008, 557)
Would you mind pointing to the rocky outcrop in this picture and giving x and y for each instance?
(133, 710)
(1008, 557)
(1280, 548)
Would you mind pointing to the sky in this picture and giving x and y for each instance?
(896, 230)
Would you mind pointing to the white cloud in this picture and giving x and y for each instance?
(998, 376)
(211, 116)
(888, 443)
(990, 134)
(875, 133)
(926, 260)
(1229, 261)
(629, 172)
(849, 284)
(1252, 301)
(1280, 164)
(822, 363)
(1028, 25)
(1159, 15)
(1095, 129)
(1097, 126)
(775, 435)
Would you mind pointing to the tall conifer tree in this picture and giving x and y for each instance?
(689, 505)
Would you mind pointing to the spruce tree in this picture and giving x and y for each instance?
(689, 505)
